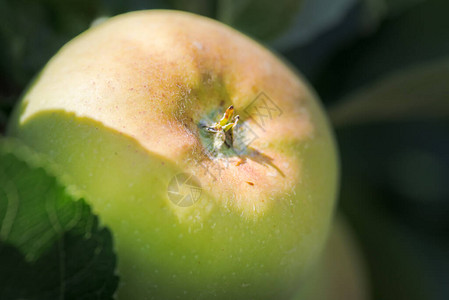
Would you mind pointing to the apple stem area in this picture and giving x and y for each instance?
(219, 137)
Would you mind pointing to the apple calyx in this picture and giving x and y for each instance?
(224, 129)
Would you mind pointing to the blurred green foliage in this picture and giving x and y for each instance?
(260, 19)
(419, 34)
(51, 245)
(418, 92)
(380, 66)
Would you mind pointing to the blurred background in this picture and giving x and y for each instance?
(381, 68)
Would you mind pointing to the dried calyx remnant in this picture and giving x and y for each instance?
(223, 130)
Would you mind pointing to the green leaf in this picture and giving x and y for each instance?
(313, 19)
(417, 35)
(390, 249)
(417, 93)
(262, 19)
(397, 6)
(202, 7)
(374, 12)
(51, 245)
(388, 170)
(388, 8)
(32, 31)
(3, 120)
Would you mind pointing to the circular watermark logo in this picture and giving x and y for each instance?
(184, 190)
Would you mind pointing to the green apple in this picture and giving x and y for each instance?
(132, 109)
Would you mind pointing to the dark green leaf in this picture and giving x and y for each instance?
(32, 31)
(313, 19)
(262, 19)
(397, 270)
(409, 162)
(418, 93)
(417, 35)
(202, 7)
(397, 6)
(394, 189)
(380, 9)
(51, 245)
(3, 119)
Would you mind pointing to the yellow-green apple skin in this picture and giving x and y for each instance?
(121, 108)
